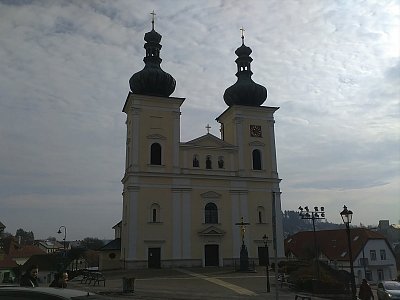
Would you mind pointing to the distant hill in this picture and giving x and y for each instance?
(293, 223)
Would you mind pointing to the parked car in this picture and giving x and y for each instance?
(388, 290)
(45, 293)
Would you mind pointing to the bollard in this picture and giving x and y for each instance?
(128, 285)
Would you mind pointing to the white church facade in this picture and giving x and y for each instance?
(182, 200)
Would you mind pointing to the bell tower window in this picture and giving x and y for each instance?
(155, 154)
(208, 162)
(196, 163)
(256, 159)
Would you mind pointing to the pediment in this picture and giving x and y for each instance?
(210, 194)
(212, 231)
(208, 140)
(156, 137)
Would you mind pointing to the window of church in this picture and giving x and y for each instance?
(208, 162)
(221, 162)
(196, 162)
(155, 213)
(256, 159)
(211, 213)
(154, 217)
(155, 155)
(261, 215)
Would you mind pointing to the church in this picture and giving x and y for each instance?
(195, 203)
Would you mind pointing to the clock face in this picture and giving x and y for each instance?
(255, 130)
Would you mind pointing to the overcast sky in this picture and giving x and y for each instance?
(331, 66)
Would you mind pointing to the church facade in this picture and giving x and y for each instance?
(182, 201)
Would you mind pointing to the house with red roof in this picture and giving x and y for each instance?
(373, 257)
(18, 252)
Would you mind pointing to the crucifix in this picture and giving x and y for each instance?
(242, 225)
(208, 127)
(244, 256)
(153, 14)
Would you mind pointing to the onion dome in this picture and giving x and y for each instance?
(152, 80)
(245, 91)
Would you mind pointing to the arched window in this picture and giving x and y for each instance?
(155, 155)
(208, 162)
(155, 213)
(196, 162)
(256, 159)
(211, 213)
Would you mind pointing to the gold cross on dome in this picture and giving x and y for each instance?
(208, 127)
(153, 14)
(242, 30)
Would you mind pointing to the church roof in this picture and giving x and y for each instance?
(113, 245)
(208, 140)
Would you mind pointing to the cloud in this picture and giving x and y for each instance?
(333, 70)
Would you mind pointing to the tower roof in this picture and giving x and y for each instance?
(245, 91)
(152, 80)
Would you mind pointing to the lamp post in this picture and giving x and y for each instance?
(65, 234)
(347, 216)
(316, 214)
(265, 239)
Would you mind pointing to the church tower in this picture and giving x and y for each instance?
(250, 127)
(182, 200)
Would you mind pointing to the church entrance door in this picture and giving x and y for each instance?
(211, 253)
(154, 258)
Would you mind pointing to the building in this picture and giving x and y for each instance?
(109, 254)
(390, 231)
(2, 227)
(49, 246)
(182, 200)
(19, 253)
(373, 258)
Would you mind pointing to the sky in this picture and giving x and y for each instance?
(332, 67)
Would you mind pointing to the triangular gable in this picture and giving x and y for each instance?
(212, 231)
(208, 140)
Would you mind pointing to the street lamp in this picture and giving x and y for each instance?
(65, 234)
(316, 214)
(265, 239)
(347, 216)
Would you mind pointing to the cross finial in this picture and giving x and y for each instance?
(153, 14)
(208, 127)
(242, 30)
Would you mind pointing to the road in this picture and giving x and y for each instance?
(194, 284)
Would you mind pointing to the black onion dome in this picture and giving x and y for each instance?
(243, 51)
(245, 91)
(152, 80)
(152, 36)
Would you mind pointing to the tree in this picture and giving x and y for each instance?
(92, 243)
(27, 237)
